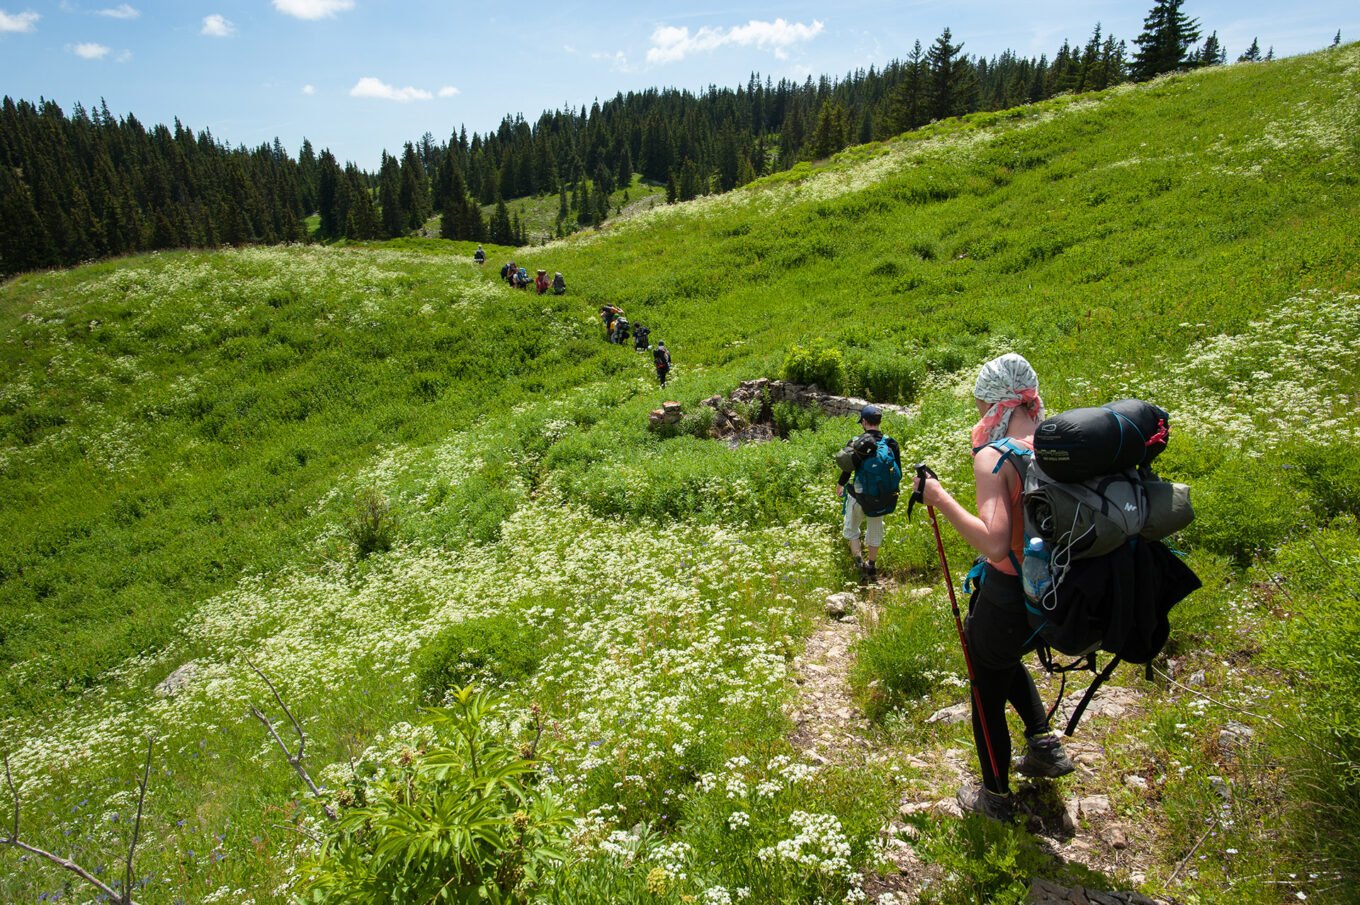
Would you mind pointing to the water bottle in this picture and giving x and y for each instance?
(1036, 571)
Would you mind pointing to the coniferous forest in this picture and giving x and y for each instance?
(90, 185)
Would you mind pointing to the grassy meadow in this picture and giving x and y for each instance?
(376, 473)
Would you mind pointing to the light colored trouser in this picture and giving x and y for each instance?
(873, 529)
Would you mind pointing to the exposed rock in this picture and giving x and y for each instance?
(1134, 781)
(1043, 892)
(1111, 701)
(1092, 806)
(1115, 837)
(1197, 678)
(840, 605)
(955, 714)
(1234, 737)
(178, 680)
(1222, 787)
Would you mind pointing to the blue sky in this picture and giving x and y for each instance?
(361, 76)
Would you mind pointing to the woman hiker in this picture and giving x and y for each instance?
(997, 630)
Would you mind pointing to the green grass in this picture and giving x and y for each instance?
(184, 439)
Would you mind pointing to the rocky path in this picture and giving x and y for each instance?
(1074, 817)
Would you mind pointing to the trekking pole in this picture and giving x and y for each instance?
(923, 471)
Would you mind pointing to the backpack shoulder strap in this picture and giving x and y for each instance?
(1011, 452)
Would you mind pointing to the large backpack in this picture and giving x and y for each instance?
(878, 477)
(1092, 539)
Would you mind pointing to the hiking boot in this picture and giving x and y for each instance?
(1044, 756)
(974, 799)
(871, 571)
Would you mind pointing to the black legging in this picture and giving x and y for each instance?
(998, 636)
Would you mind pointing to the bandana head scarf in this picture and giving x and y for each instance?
(1008, 383)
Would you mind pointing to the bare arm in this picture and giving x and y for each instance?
(988, 532)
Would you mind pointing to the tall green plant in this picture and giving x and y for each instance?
(464, 821)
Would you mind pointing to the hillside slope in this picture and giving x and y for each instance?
(374, 471)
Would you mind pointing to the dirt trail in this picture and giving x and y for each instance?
(1074, 817)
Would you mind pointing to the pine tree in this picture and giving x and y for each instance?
(672, 189)
(1337, 40)
(389, 197)
(502, 232)
(1212, 53)
(1252, 53)
(942, 64)
(415, 189)
(828, 136)
(1164, 46)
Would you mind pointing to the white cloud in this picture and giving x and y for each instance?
(618, 61)
(309, 90)
(24, 21)
(371, 87)
(124, 56)
(217, 26)
(90, 51)
(312, 9)
(671, 44)
(448, 91)
(121, 11)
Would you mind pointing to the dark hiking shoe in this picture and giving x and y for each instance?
(1044, 756)
(974, 799)
(871, 571)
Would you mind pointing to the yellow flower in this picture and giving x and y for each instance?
(658, 881)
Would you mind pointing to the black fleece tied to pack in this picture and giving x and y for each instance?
(1130, 591)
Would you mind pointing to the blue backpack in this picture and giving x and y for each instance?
(879, 477)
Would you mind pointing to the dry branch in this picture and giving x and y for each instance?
(294, 759)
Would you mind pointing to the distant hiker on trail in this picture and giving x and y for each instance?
(479, 256)
(541, 282)
(620, 334)
(661, 358)
(507, 270)
(640, 341)
(997, 631)
(607, 314)
(521, 279)
(559, 285)
(876, 462)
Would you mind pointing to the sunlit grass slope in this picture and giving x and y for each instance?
(187, 442)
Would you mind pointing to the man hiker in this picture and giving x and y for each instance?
(607, 314)
(876, 462)
(997, 631)
(479, 256)
(661, 357)
(640, 341)
(559, 285)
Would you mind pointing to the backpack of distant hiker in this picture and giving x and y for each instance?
(661, 358)
(878, 477)
(1094, 573)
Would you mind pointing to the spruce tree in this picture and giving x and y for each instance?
(1252, 53)
(1212, 53)
(501, 231)
(828, 136)
(908, 104)
(1164, 46)
(389, 197)
(942, 64)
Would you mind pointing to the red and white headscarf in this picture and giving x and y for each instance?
(1008, 383)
